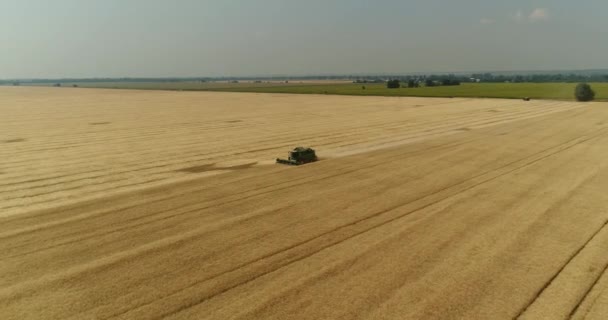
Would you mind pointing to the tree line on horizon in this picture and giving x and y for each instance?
(451, 79)
(412, 83)
(598, 76)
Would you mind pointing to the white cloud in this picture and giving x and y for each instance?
(539, 14)
(518, 16)
(486, 21)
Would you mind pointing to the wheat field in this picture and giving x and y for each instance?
(118, 204)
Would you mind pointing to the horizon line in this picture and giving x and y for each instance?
(312, 76)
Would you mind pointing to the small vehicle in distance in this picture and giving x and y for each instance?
(299, 156)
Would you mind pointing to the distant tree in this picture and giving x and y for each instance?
(450, 82)
(393, 84)
(429, 83)
(411, 83)
(584, 92)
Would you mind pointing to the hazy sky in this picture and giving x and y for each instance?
(140, 38)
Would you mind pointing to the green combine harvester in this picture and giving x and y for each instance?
(299, 156)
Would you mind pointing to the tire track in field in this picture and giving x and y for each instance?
(586, 295)
(442, 250)
(554, 276)
(591, 302)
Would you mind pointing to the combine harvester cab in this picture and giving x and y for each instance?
(299, 156)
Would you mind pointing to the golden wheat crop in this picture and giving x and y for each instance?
(148, 204)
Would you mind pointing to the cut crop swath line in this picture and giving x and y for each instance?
(71, 165)
(63, 182)
(139, 169)
(446, 129)
(9, 220)
(111, 188)
(238, 197)
(271, 138)
(381, 122)
(166, 131)
(97, 177)
(136, 132)
(116, 260)
(411, 153)
(175, 213)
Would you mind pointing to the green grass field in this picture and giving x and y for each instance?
(559, 91)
